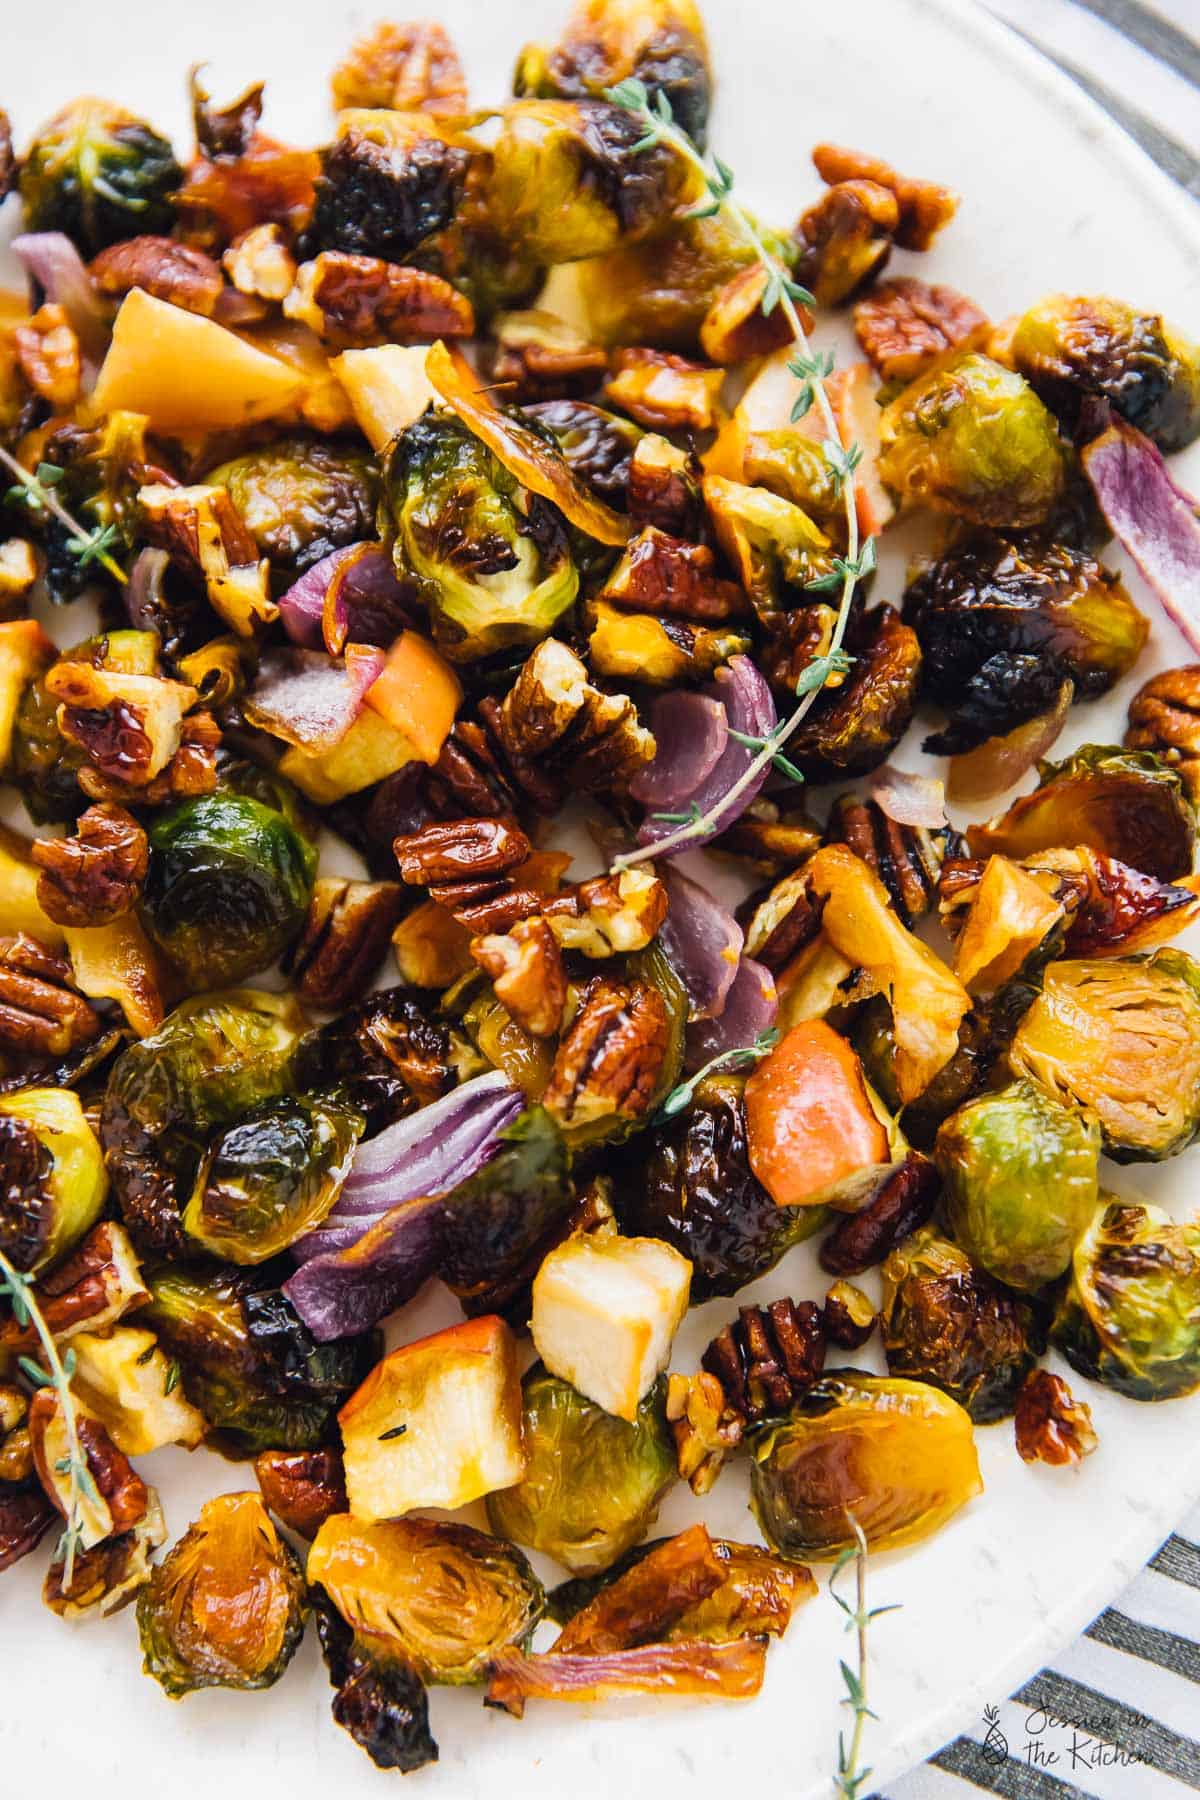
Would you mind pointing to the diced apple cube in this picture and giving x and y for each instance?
(605, 1312)
(436, 1423)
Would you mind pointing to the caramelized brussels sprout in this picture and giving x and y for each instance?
(897, 1455)
(1129, 1316)
(52, 1177)
(496, 1218)
(226, 1606)
(972, 438)
(388, 182)
(1077, 349)
(592, 1482)
(853, 729)
(491, 562)
(661, 43)
(1002, 626)
(1019, 1176)
(598, 445)
(301, 497)
(443, 1596)
(380, 1698)
(386, 1056)
(1120, 1036)
(770, 544)
(1121, 803)
(946, 1322)
(99, 174)
(228, 886)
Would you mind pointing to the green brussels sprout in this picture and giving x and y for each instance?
(660, 43)
(52, 1177)
(592, 1482)
(271, 1177)
(896, 1456)
(228, 886)
(1019, 1176)
(1002, 626)
(226, 1606)
(99, 174)
(385, 1055)
(1074, 348)
(247, 1362)
(945, 1322)
(1129, 1315)
(1121, 1037)
(492, 564)
(972, 438)
(379, 1699)
(301, 497)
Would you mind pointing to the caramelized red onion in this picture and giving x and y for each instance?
(702, 942)
(353, 593)
(54, 263)
(1155, 519)
(751, 1007)
(910, 799)
(749, 710)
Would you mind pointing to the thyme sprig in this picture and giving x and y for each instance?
(37, 493)
(56, 1372)
(811, 370)
(739, 1058)
(850, 1778)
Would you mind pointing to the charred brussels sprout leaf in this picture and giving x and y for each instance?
(945, 1322)
(52, 1179)
(973, 439)
(897, 1455)
(380, 1698)
(302, 497)
(493, 1220)
(226, 1607)
(1129, 1316)
(592, 1482)
(1121, 1037)
(388, 182)
(271, 1177)
(598, 445)
(99, 174)
(1002, 626)
(660, 43)
(493, 567)
(228, 886)
(385, 1055)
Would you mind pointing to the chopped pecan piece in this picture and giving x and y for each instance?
(345, 939)
(40, 1012)
(48, 357)
(663, 575)
(25, 1517)
(205, 536)
(770, 841)
(260, 263)
(539, 357)
(848, 1316)
(412, 68)
(611, 1055)
(847, 237)
(16, 1446)
(1164, 716)
(1051, 1425)
(161, 267)
(608, 915)
(924, 207)
(107, 1577)
(664, 488)
(117, 1498)
(706, 1428)
(904, 1202)
(906, 858)
(303, 1488)
(904, 324)
(97, 874)
(665, 392)
(526, 968)
(91, 1290)
(766, 1357)
(351, 301)
(781, 922)
(554, 716)
(460, 850)
(735, 327)
(18, 569)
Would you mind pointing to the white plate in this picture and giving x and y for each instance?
(1053, 196)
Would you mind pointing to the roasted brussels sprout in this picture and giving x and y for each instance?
(380, 1698)
(99, 174)
(897, 1456)
(1129, 1316)
(388, 182)
(1121, 1037)
(495, 1219)
(52, 1177)
(228, 886)
(592, 1482)
(386, 1056)
(301, 497)
(661, 43)
(598, 445)
(271, 1177)
(443, 1596)
(770, 545)
(1003, 625)
(1019, 1176)
(1121, 803)
(492, 563)
(972, 438)
(226, 1607)
(1078, 349)
(854, 728)
(946, 1322)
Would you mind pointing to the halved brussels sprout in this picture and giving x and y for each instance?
(852, 729)
(272, 1177)
(598, 445)
(443, 1596)
(99, 174)
(380, 1698)
(1129, 1316)
(661, 43)
(226, 1606)
(769, 544)
(302, 497)
(228, 886)
(897, 1456)
(494, 1220)
(946, 1322)
(52, 1176)
(1122, 803)
(972, 438)
(1121, 1037)
(592, 1482)
(1020, 1182)
(390, 179)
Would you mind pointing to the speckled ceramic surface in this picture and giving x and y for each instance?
(1053, 197)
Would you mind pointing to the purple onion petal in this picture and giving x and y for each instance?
(372, 604)
(690, 731)
(343, 1292)
(750, 1008)
(909, 799)
(56, 265)
(302, 607)
(702, 942)
(750, 710)
(1154, 518)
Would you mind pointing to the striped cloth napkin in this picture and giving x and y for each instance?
(1118, 1715)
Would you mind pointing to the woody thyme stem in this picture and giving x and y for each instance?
(20, 1291)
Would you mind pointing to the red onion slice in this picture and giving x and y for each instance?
(910, 799)
(690, 731)
(310, 699)
(750, 1009)
(352, 594)
(749, 710)
(1154, 518)
(56, 265)
(702, 942)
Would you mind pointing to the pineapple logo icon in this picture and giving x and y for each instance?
(995, 1744)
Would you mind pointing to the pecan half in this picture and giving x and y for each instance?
(91, 1290)
(351, 301)
(1164, 716)
(48, 357)
(1051, 1425)
(460, 850)
(25, 1517)
(118, 1497)
(527, 973)
(904, 324)
(665, 392)
(205, 536)
(610, 1057)
(345, 939)
(97, 874)
(108, 1576)
(924, 207)
(904, 1202)
(706, 1428)
(553, 715)
(538, 357)
(672, 579)
(766, 1357)
(411, 68)
(770, 841)
(735, 327)
(847, 237)
(906, 858)
(303, 1488)
(260, 264)
(40, 1012)
(471, 776)
(162, 267)
(26, 1170)
(664, 488)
